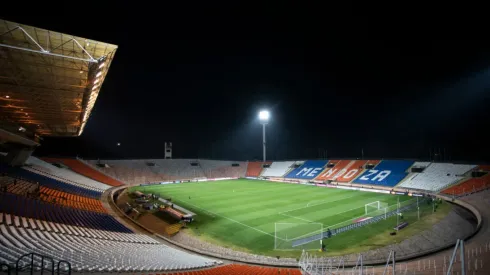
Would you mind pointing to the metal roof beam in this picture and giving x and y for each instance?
(48, 53)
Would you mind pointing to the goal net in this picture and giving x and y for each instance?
(375, 208)
(297, 236)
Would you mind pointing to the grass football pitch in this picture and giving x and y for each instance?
(242, 214)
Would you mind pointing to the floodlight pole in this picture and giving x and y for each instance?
(263, 139)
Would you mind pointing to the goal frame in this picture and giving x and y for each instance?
(378, 207)
(320, 231)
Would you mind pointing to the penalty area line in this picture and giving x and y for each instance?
(296, 217)
(235, 221)
(325, 201)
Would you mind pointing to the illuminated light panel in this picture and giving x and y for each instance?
(264, 115)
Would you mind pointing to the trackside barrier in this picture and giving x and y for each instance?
(31, 261)
(349, 227)
(66, 269)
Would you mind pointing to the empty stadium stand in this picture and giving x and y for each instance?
(41, 167)
(223, 168)
(25, 188)
(47, 181)
(353, 169)
(41, 225)
(85, 170)
(309, 170)
(278, 169)
(484, 168)
(37, 209)
(130, 171)
(469, 186)
(329, 173)
(151, 170)
(93, 254)
(254, 168)
(387, 173)
(437, 176)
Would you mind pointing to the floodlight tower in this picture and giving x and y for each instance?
(264, 119)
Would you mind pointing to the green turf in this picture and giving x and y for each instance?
(242, 213)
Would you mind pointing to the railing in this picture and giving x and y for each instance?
(67, 269)
(349, 227)
(33, 262)
(31, 267)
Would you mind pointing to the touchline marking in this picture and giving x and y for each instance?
(235, 221)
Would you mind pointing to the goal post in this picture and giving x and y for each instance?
(375, 207)
(287, 235)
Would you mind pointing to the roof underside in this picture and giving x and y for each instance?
(49, 81)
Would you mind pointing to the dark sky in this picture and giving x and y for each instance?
(334, 78)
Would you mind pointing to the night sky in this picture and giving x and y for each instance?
(335, 80)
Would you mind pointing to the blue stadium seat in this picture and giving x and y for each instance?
(49, 182)
(309, 170)
(387, 173)
(25, 207)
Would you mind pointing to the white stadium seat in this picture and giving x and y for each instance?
(65, 175)
(278, 169)
(87, 254)
(437, 176)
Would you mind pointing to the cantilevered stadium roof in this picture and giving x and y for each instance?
(49, 81)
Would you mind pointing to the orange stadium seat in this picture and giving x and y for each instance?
(71, 200)
(350, 171)
(328, 174)
(22, 187)
(85, 170)
(254, 168)
(354, 169)
(484, 168)
(471, 185)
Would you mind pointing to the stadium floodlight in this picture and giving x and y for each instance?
(264, 119)
(264, 116)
